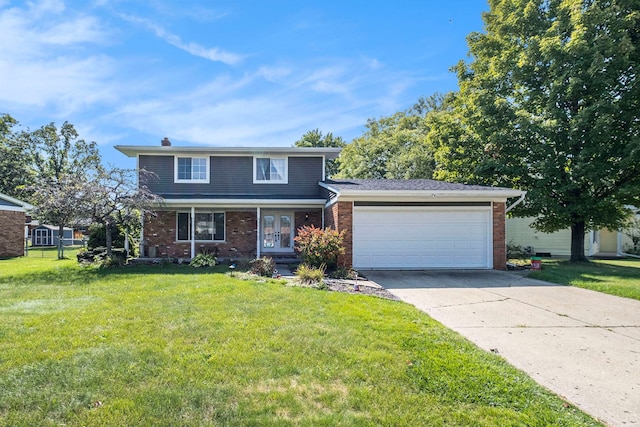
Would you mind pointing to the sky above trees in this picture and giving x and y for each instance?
(229, 73)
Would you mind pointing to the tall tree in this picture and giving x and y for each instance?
(393, 147)
(64, 164)
(550, 103)
(315, 138)
(16, 173)
(59, 152)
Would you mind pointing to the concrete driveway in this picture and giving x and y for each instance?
(583, 345)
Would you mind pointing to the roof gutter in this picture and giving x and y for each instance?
(134, 150)
(355, 194)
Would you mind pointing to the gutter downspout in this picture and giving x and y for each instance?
(516, 203)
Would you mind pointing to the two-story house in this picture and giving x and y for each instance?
(249, 202)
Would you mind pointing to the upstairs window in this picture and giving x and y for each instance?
(192, 169)
(270, 170)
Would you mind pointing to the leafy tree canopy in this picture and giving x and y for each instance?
(315, 138)
(16, 173)
(393, 147)
(60, 152)
(550, 103)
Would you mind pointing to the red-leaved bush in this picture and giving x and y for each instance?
(319, 247)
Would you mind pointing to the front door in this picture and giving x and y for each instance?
(277, 232)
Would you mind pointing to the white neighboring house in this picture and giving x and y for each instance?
(597, 242)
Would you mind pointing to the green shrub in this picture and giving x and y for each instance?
(97, 237)
(308, 275)
(264, 266)
(632, 231)
(203, 260)
(343, 273)
(516, 252)
(318, 247)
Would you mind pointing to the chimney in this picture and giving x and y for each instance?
(165, 142)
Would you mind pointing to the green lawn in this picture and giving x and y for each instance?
(172, 345)
(615, 277)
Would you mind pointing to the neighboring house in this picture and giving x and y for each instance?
(49, 235)
(596, 242)
(12, 226)
(249, 202)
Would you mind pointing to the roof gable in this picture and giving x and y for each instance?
(11, 203)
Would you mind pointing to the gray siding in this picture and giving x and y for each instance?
(232, 177)
(8, 203)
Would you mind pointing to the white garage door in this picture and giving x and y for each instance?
(421, 237)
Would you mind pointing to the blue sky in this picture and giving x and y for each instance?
(231, 73)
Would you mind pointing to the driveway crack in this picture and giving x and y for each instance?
(472, 303)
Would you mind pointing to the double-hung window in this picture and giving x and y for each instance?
(191, 169)
(270, 170)
(208, 226)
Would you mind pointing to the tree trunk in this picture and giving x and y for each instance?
(577, 242)
(61, 241)
(108, 239)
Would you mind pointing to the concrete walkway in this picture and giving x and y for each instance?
(583, 345)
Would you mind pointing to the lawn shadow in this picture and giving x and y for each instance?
(73, 274)
(589, 272)
(451, 279)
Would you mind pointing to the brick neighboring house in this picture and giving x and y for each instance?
(12, 226)
(247, 202)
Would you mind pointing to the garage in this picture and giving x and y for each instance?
(418, 237)
(417, 224)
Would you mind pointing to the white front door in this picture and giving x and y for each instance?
(277, 232)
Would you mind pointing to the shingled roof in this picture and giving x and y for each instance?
(404, 185)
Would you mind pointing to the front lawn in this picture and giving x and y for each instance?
(615, 277)
(173, 345)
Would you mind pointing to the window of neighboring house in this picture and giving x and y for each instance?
(208, 226)
(270, 170)
(192, 169)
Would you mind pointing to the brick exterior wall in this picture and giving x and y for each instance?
(339, 216)
(499, 237)
(12, 229)
(315, 218)
(240, 236)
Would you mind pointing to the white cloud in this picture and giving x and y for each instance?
(373, 63)
(47, 60)
(274, 74)
(210, 53)
(231, 111)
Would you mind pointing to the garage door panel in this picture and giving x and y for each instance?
(421, 238)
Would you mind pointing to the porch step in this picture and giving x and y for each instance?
(280, 259)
